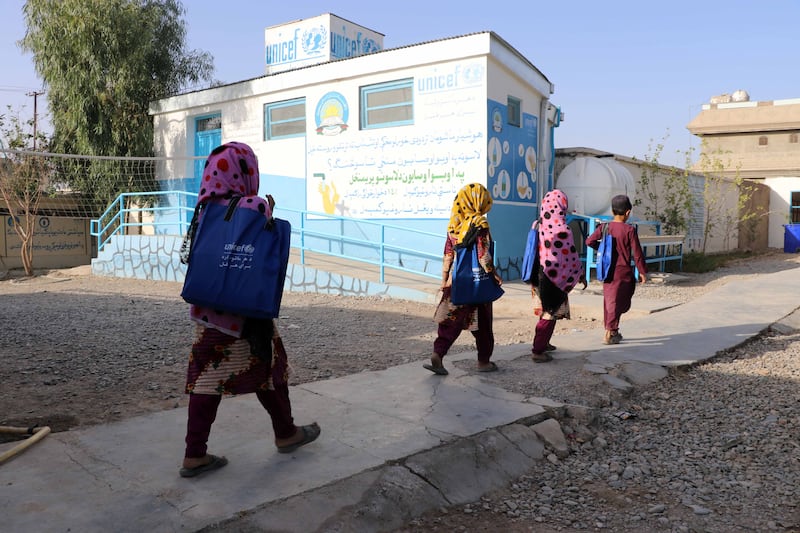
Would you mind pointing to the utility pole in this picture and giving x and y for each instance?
(35, 95)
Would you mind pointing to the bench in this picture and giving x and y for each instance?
(662, 248)
(657, 249)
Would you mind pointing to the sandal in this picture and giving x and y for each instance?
(310, 434)
(612, 337)
(550, 348)
(491, 367)
(213, 464)
(436, 366)
(541, 357)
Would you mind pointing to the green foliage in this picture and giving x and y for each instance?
(667, 191)
(17, 134)
(722, 215)
(698, 262)
(24, 180)
(103, 62)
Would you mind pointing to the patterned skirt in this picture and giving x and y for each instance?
(538, 310)
(222, 364)
(466, 316)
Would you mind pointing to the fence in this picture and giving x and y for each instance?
(331, 235)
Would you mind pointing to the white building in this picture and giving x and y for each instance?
(759, 141)
(343, 127)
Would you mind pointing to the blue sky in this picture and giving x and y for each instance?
(627, 74)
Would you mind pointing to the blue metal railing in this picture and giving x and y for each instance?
(587, 225)
(365, 241)
(313, 235)
(116, 219)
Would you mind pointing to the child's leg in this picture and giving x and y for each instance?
(611, 312)
(621, 303)
(542, 335)
(448, 332)
(610, 316)
(201, 415)
(484, 335)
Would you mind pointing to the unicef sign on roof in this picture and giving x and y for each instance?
(316, 40)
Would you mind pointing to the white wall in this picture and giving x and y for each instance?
(409, 173)
(779, 203)
(377, 173)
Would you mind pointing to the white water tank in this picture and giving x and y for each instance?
(740, 96)
(591, 182)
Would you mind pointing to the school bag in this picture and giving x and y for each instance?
(604, 254)
(530, 259)
(237, 261)
(472, 285)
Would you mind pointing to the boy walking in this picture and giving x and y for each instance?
(619, 285)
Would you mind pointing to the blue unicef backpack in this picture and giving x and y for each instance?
(530, 259)
(604, 254)
(237, 261)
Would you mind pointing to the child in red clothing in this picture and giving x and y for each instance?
(620, 284)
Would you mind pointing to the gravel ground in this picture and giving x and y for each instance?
(712, 448)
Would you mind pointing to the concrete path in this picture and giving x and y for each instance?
(394, 443)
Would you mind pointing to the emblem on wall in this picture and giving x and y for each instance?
(332, 114)
(314, 40)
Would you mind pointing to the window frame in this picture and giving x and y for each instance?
(794, 208)
(207, 119)
(268, 123)
(366, 90)
(515, 118)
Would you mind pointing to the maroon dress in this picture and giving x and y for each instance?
(620, 284)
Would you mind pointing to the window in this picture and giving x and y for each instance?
(794, 209)
(762, 141)
(514, 111)
(387, 104)
(285, 119)
(793, 138)
(210, 123)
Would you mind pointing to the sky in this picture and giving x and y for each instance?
(628, 75)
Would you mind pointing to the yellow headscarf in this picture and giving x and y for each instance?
(469, 210)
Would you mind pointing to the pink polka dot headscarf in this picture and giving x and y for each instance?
(557, 253)
(230, 170)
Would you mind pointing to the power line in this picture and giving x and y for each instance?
(15, 89)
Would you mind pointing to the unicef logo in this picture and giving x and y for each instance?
(314, 40)
(473, 74)
(369, 45)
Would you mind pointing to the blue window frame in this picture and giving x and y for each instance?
(514, 111)
(387, 104)
(285, 119)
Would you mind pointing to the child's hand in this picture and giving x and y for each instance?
(497, 278)
(642, 278)
(584, 284)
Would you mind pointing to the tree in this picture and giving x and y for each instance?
(722, 214)
(23, 181)
(103, 62)
(667, 191)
